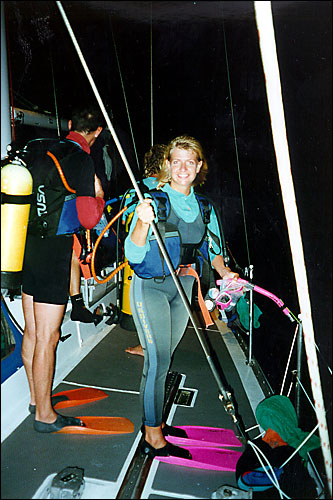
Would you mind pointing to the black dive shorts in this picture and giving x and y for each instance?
(47, 267)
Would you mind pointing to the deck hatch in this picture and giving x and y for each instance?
(186, 397)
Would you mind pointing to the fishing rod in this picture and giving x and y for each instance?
(225, 396)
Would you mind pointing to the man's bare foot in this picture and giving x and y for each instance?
(135, 350)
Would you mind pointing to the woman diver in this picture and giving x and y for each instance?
(158, 311)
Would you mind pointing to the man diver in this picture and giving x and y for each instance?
(46, 269)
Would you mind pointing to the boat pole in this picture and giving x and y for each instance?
(264, 20)
(225, 396)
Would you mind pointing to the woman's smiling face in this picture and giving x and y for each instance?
(184, 166)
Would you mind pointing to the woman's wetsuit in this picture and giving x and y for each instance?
(160, 318)
(158, 310)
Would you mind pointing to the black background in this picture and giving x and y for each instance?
(191, 96)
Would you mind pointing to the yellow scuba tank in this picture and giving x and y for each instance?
(127, 276)
(127, 321)
(125, 305)
(16, 190)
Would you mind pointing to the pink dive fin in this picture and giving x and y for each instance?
(206, 458)
(205, 436)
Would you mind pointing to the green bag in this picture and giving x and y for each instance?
(243, 308)
(277, 413)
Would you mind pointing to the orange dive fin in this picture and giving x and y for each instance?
(76, 397)
(100, 425)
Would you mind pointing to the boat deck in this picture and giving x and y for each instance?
(112, 467)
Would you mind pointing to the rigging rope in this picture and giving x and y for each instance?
(273, 479)
(54, 93)
(289, 357)
(10, 79)
(124, 93)
(300, 445)
(151, 77)
(264, 20)
(235, 141)
(306, 394)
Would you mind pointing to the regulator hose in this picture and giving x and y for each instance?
(92, 258)
(111, 275)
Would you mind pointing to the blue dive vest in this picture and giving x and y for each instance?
(185, 243)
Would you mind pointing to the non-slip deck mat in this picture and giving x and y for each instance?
(109, 365)
(34, 456)
(29, 457)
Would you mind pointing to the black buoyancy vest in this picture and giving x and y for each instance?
(53, 209)
(184, 242)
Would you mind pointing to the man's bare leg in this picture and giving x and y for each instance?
(29, 341)
(75, 281)
(48, 318)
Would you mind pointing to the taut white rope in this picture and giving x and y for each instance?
(263, 12)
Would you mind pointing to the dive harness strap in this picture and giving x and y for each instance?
(163, 210)
(188, 270)
(15, 199)
(85, 267)
(77, 247)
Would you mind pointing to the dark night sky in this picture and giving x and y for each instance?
(191, 96)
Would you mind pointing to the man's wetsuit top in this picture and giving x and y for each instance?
(80, 172)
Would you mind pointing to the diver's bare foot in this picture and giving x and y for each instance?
(135, 350)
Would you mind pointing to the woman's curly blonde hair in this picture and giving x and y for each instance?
(188, 143)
